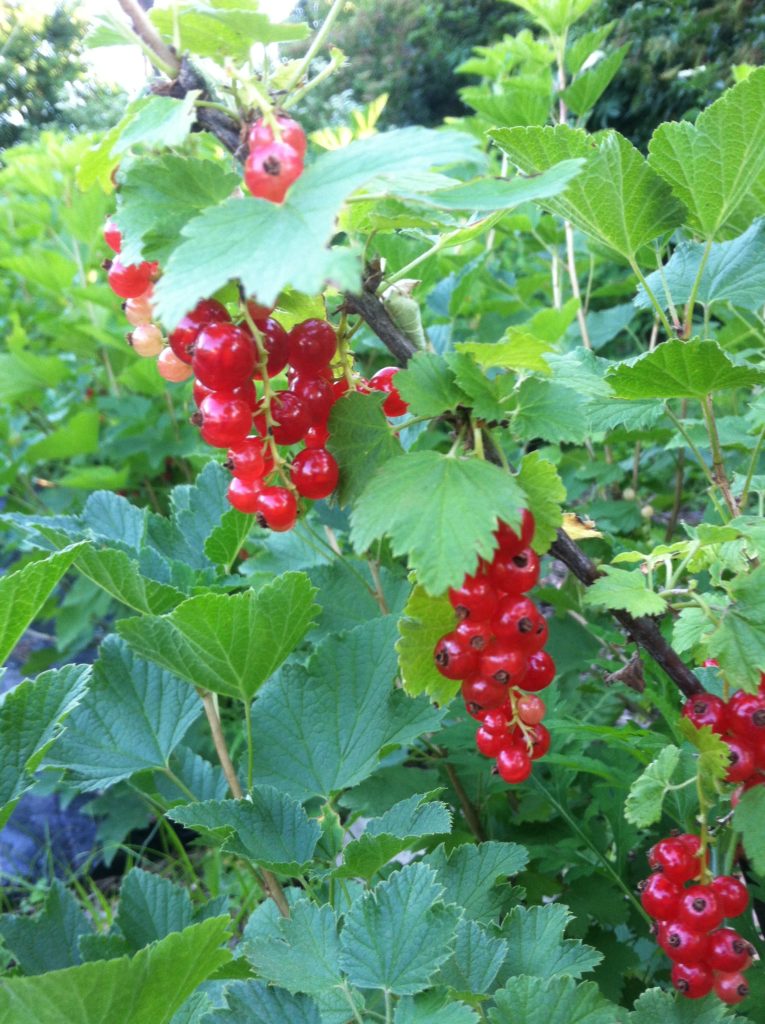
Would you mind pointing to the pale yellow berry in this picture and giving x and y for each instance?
(147, 340)
(139, 311)
(172, 368)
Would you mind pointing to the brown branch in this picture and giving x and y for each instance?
(146, 32)
(471, 815)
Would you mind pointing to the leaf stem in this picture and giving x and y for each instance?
(654, 301)
(688, 327)
(752, 467)
(388, 1007)
(347, 993)
(250, 748)
(718, 464)
(151, 42)
(468, 809)
(318, 41)
(694, 448)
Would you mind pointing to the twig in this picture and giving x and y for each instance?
(146, 32)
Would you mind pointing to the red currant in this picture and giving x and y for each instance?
(394, 405)
(731, 894)
(226, 421)
(489, 743)
(694, 980)
(481, 694)
(660, 897)
(728, 951)
(531, 709)
(224, 356)
(699, 908)
(503, 662)
(182, 339)
(673, 857)
(540, 741)
(706, 709)
(245, 391)
(291, 418)
(682, 944)
(511, 543)
(742, 760)
(250, 460)
(731, 988)
(262, 134)
(273, 338)
(540, 672)
(257, 311)
(316, 437)
(516, 574)
(519, 621)
(476, 634)
(314, 473)
(276, 509)
(129, 280)
(454, 657)
(513, 764)
(475, 599)
(270, 170)
(316, 394)
(496, 720)
(746, 715)
(243, 494)
(312, 344)
(112, 235)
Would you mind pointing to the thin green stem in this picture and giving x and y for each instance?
(250, 747)
(654, 301)
(695, 290)
(334, 64)
(752, 467)
(718, 465)
(210, 105)
(388, 1007)
(179, 783)
(349, 998)
(691, 444)
(318, 41)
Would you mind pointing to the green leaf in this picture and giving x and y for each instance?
(321, 729)
(299, 953)
(485, 195)
(253, 1002)
(228, 644)
(24, 375)
(225, 30)
(549, 410)
(151, 908)
(131, 991)
(432, 1006)
(553, 1001)
(361, 440)
(23, 593)
(738, 643)
(203, 779)
(487, 397)
(268, 828)
(78, 436)
(159, 196)
(734, 272)
(579, 49)
(407, 822)
(439, 510)
(681, 369)
(476, 960)
(428, 385)
(396, 936)
(624, 590)
(47, 942)
(646, 796)
(131, 720)
(225, 542)
(270, 246)
(654, 1005)
(714, 753)
(587, 88)
(161, 122)
(119, 575)
(536, 946)
(713, 163)
(91, 478)
(518, 350)
(30, 722)
(747, 819)
(470, 874)
(616, 198)
(545, 493)
(424, 621)
(555, 16)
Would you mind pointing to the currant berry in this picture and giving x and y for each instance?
(731, 894)
(139, 311)
(182, 339)
(314, 473)
(224, 356)
(660, 897)
(290, 416)
(746, 715)
(243, 494)
(316, 394)
(475, 599)
(694, 981)
(250, 460)
(540, 741)
(262, 134)
(513, 764)
(475, 634)
(316, 437)
(454, 657)
(682, 944)
(312, 344)
(728, 951)
(516, 574)
(742, 759)
(481, 694)
(258, 311)
(171, 368)
(519, 621)
(129, 280)
(146, 340)
(706, 709)
(394, 405)
(731, 988)
(699, 909)
(489, 743)
(540, 672)
(273, 337)
(340, 387)
(496, 721)
(270, 170)
(503, 662)
(673, 857)
(276, 509)
(531, 710)
(226, 421)
(245, 391)
(511, 543)
(112, 235)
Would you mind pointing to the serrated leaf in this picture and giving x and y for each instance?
(624, 590)
(747, 819)
(23, 593)
(405, 824)
(202, 779)
(689, 629)
(713, 163)
(299, 953)
(321, 729)
(225, 30)
(361, 440)
(646, 796)
(428, 385)
(537, 948)
(714, 753)
(486, 195)
(160, 122)
(439, 510)
(552, 1001)
(471, 874)
(486, 397)
(268, 828)
(587, 88)
(579, 49)
(48, 941)
(516, 350)
(616, 198)
(253, 1002)
(738, 643)
(120, 576)
(423, 622)
(549, 410)
(545, 494)
(681, 369)
(31, 717)
(555, 16)
(432, 1006)
(476, 960)
(131, 720)
(396, 936)
(270, 246)
(225, 542)
(131, 991)
(228, 644)
(654, 1005)
(151, 907)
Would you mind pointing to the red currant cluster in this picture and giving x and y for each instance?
(276, 157)
(496, 649)
(705, 955)
(741, 723)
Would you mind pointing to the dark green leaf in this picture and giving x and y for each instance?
(361, 440)
(545, 493)
(476, 960)
(428, 385)
(536, 946)
(299, 953)
(151, 907)
(49, 941)
(681, 369)
(469, 874)
(553, 1001)
(253, 1002)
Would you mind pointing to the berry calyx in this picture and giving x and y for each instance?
(706, 709)
(728, 951)
(314, 473)
(504, 662)
(454, 657)
(699, 909)
(516, 574)
(276, 509)
(519, 621)
(742, 759)
(270, 170)
(682, 944)
(746, 715)
(481, 694)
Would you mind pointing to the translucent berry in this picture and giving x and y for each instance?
(274, 340)
(262, 134)
(182, 339)
(673, 857)
(682, 944)
(516, 574)
(276, 509)
(728, 951)
(249, 460)
(489, 743)
(511, 543)
(290, 416)
(454, 657)
(139, 311)
(519, 621)
(731, 894)
(540, 741)
(504, 662)
(224, 356)
(539, 673)
(531, 709)
(112, 235)
(513, 764)
(242, 494)
(746, 715)
(481, 694)
(694, 981)
(270, 170)
(731, 988)
(316, 437)
(245, 391)
(706, 709)
(699, 908)
(314, 473)
(146, 340)
(476, 634)
(226, 420)
(316, 394)
(394, 405)
(129, 280)
(742, 759)
(171, 368)
(312, 345)
(475, 599)
(660, 897)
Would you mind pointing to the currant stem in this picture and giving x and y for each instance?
(318, 41)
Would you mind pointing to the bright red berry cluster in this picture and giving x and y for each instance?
(706, 956)
(276, 156)
(497, 650)
(740, 721)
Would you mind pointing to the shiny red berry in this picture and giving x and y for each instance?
(539, 673)
(276, 509)
(531, 709)
(504, 662)
(394, 405)
(224, 357)
(475, 599)
(481, 694)
(270, 170)
(242, 494)
(129, 280)
(250, 459)
(316, 394)
(182, 339)
(516, 574)
(742, 759)
(262, 134)
(706, 709)
(513, 764)
(511, 543)
(731, 988)
(728, 951)
(314, 473)
(290, 416)
(519, 621)
(112, 235)
(258, 311)
(246, 392)
(496, 720)
(489, 743)
(660, 897)
(731, 894)
(476, 634)
(673, 857)
(226, 420)
(682, 944)
(273, 338)
(316, 437)
(746, 715)
(454, 657)
(699, 908)
(694, 981)
(312, 345)
(540, 741)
